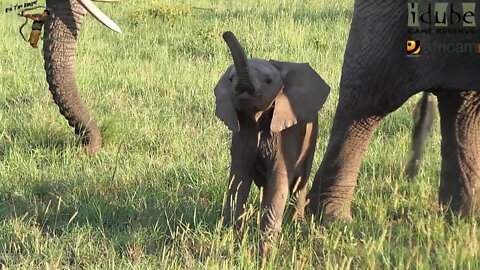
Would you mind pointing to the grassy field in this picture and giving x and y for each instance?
(152, 198)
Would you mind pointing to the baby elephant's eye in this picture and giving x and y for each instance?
(230, 79)
(268, 80)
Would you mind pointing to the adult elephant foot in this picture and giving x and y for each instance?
(332, 191)
(460, 173)
(92, 140)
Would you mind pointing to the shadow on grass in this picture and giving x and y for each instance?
(51, 139)
(58, 206)
(42, 137)
(126, 218)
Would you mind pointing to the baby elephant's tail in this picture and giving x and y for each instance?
(423, 116)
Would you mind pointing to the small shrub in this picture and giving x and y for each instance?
(160, 12)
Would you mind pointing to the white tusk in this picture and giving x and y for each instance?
(99, 15)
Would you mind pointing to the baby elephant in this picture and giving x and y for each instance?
(271, 108)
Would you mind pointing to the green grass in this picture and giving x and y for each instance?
(152, 197)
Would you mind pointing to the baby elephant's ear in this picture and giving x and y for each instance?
(303, 95)
(224, 108)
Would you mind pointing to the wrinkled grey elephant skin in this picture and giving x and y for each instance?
(60, 40)
(271, 107)
(377, 78)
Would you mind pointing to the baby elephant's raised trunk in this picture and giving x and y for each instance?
(240, 62)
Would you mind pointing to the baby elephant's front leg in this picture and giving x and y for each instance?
(274, 200)
(236, 198)
(240, 178)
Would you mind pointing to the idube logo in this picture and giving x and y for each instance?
(442, 18)
(442, 14)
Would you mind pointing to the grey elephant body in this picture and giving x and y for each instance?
(377, 78)
(278, 162)
(272, 109)
(300, 141)
(375, 57)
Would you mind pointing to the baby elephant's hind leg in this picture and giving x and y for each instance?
(299, 188)
(274, 200)
(299, 194)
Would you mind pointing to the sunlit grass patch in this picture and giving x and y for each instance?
(160, 12)
(152, 198)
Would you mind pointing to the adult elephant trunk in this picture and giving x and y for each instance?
(240, 62)
(60, 40)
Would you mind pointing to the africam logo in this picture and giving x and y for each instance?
(413, 47)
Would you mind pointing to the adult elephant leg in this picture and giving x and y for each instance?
(61, 30)
(335, 181)
(460, 174)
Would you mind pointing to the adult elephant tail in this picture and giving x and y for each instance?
(423, 116)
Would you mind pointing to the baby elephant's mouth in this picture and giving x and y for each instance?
(243, 91)
(245, 101)
(246, 95)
